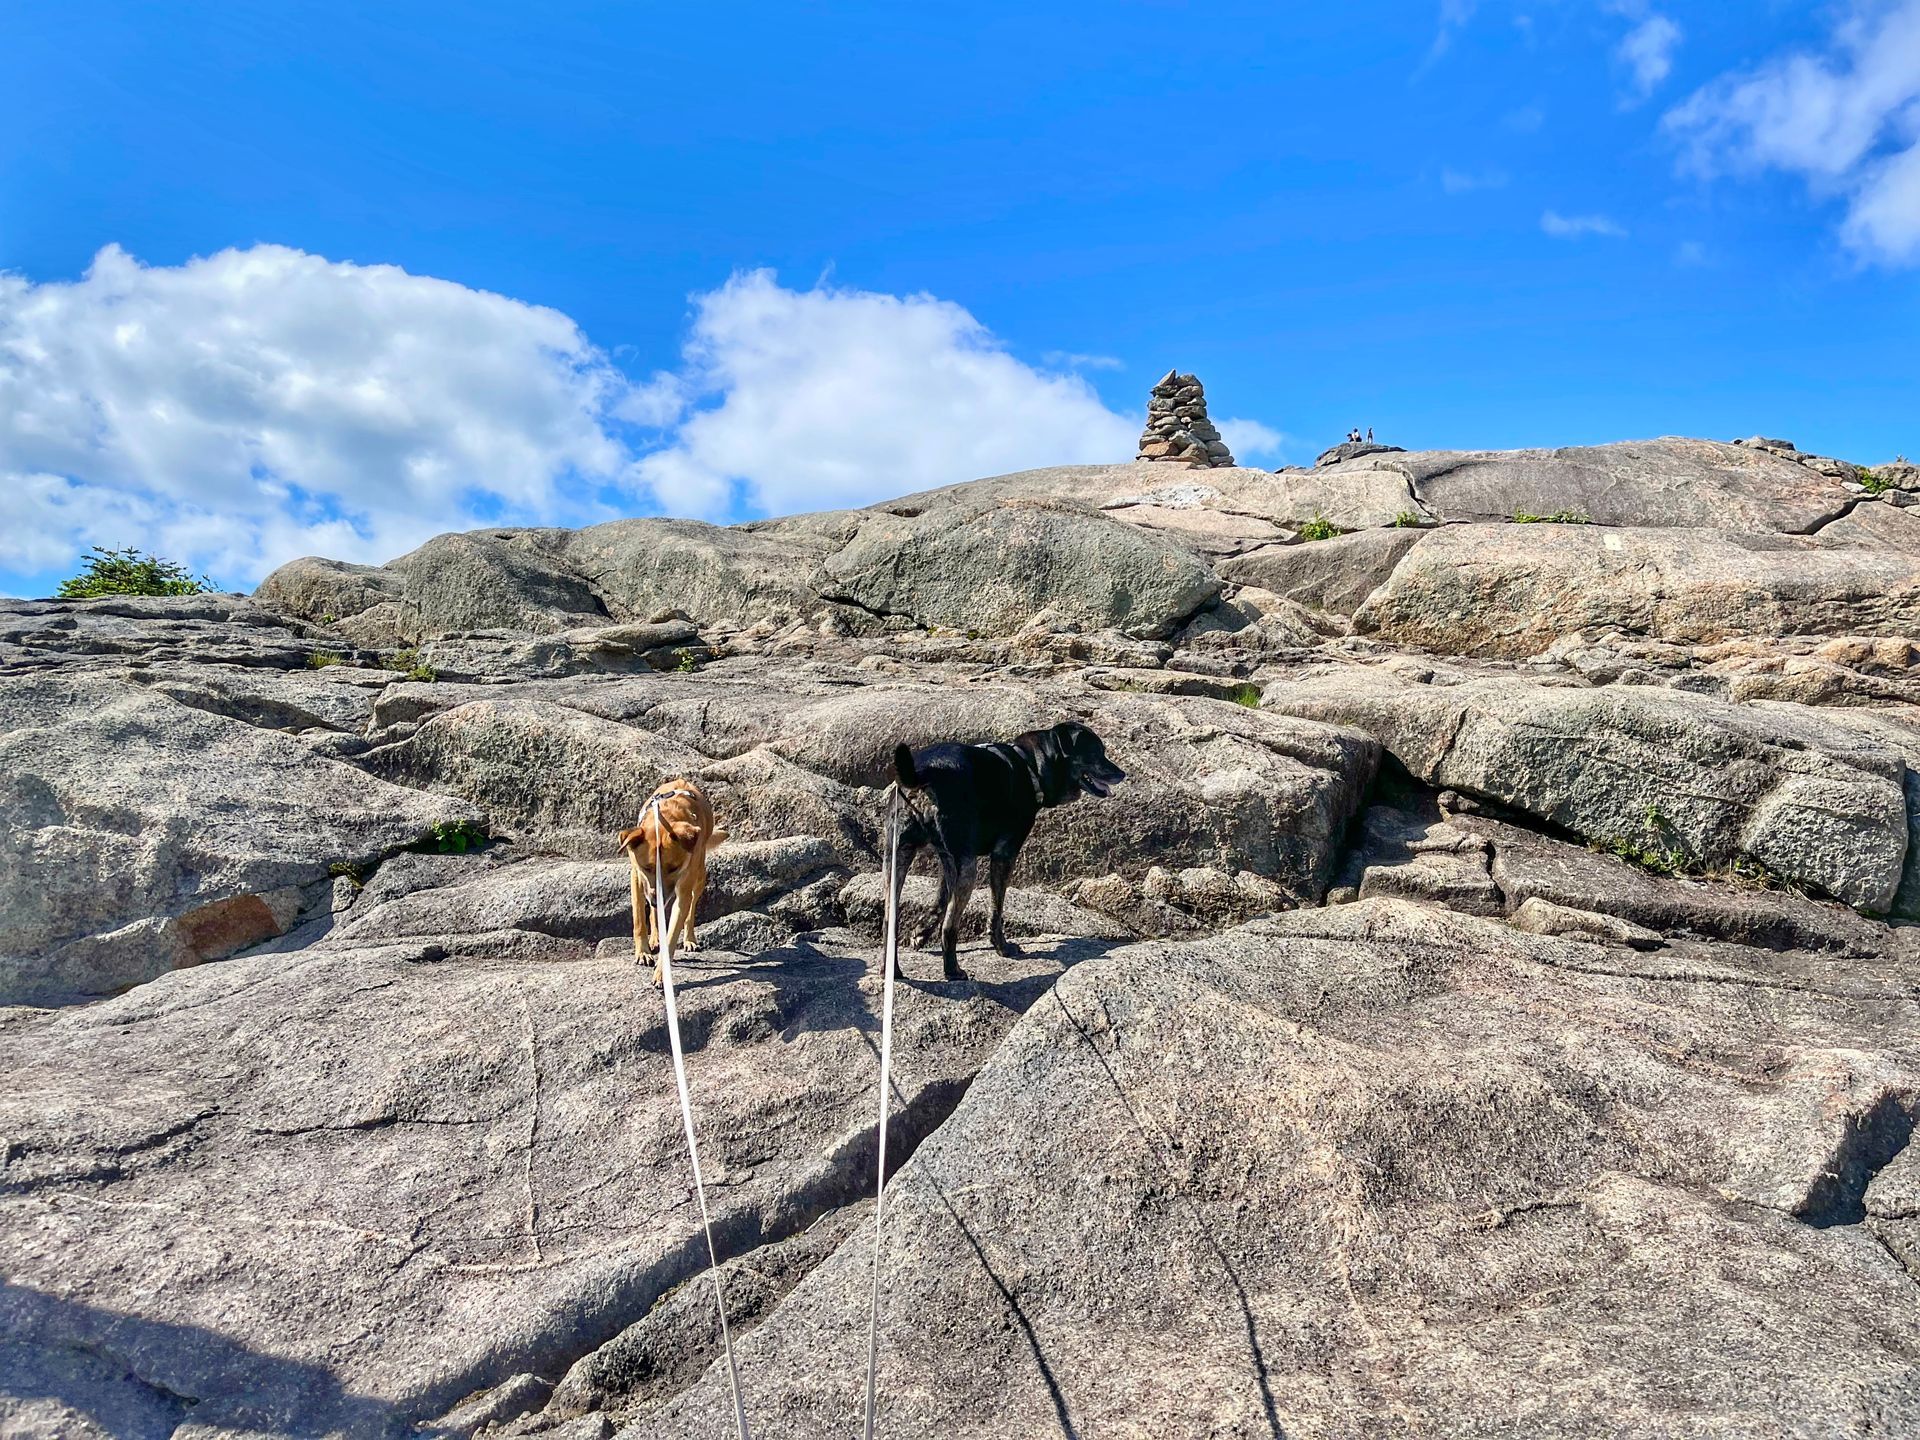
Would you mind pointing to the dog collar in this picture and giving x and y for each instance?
(1014, 757)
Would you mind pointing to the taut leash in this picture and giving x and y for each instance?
(890, 958)
(665, 940)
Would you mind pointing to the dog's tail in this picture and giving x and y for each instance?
(903, 770)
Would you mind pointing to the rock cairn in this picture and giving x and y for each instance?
(1177, 425)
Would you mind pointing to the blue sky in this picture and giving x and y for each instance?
(384, 270)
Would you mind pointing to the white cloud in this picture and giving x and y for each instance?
(253, 405)
(239, 410)
(816, 399)
(1847, 121)
(1691, 254)
(1574, 227)
(1647, 52)
(1071, 360)
(1465, 182)
(1249, 439)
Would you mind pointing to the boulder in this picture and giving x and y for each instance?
(713, 574)
(138, 835)
(1210, 785)
(1871, 526)
(1543, 917)
(991, 569)
(1337, 574)
(1690, 781)
(496, 579)
(1354, 450)
(1672, 482)
(325, 591)
(536, 766)
(1513, 590)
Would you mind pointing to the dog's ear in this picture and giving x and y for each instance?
(1048, 755)
(630, 838)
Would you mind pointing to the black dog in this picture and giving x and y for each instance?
(984, 800)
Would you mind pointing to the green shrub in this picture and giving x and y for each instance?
(131, 572)
(687, 664)
(1247, 694)
(1407, 520)
(1558, 517)
(455, 837)
(1320, 528)
(1875, 483)
(424, 673)
(321, 659)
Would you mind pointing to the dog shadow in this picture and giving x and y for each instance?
(817, 988)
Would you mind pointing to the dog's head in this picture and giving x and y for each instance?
(670, 839)
(653, 840)
(1070, 759)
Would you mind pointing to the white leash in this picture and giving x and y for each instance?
(890, 958)
(665, 941)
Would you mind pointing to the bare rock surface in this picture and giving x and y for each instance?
(1335, 1174)
(1475, 1010)
(1510, 591)
(139, 834)
(1671, 482)
(1663, 771)
(992, 569)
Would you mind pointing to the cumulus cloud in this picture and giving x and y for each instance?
(1647, 52)
(1846, 120)
(815, 399)
(1574, 227)
(239, 410)
(257, 404)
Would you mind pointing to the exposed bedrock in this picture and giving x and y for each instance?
(1474, 1015)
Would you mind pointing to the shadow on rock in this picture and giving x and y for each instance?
(65, 1364)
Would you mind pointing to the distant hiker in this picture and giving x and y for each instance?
(1369, 434)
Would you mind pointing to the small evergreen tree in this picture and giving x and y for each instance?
(131, 572)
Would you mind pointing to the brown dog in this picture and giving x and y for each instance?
(679, 831)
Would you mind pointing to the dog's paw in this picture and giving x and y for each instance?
(1009, 949)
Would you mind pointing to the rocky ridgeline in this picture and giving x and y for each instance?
(1497, 953)
(1177, 425)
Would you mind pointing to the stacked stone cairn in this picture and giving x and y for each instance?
(1177, 425)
